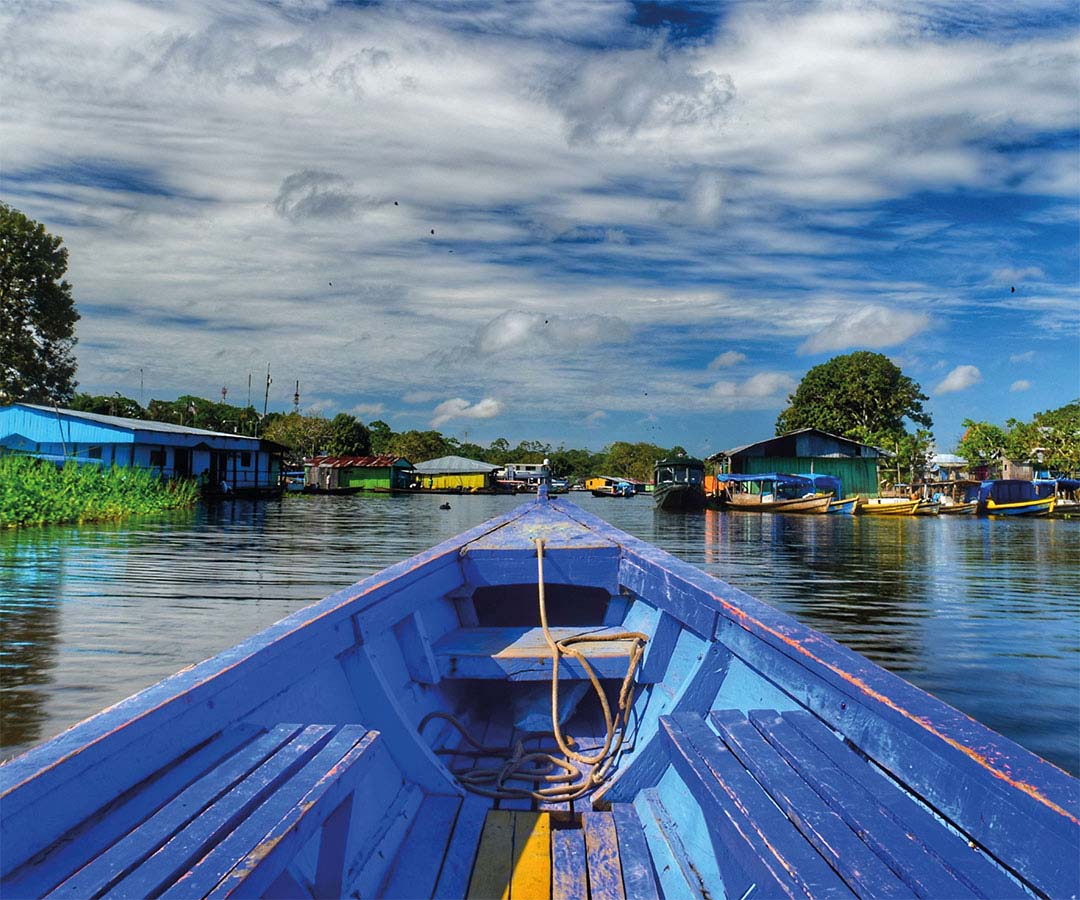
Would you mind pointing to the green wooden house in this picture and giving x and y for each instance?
(808, 451)
(348, 474)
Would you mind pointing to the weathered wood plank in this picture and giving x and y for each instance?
(416, 868)
(639, 880)
(677, 874)
(110, 824)
(762, 845)
(921, 870)
(253, 874)
(602, 854)
(969, 864)
(461, 853)
(216, 821)
(530, 878)
(210, 868)
(105, 870)
(569, 870)
(494, 859)
(823, 827)
(522, 654)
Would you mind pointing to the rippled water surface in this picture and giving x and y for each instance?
(985, 614)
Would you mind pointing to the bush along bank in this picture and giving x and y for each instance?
(33, 492)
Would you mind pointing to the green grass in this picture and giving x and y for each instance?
(33, 492)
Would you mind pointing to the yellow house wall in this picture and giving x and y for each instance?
(452, 482)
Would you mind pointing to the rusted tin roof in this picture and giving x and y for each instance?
(355, 462)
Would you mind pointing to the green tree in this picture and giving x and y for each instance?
(418, 446)
(633, 460)
(982, 444)
(381, 437)
(348, 437)
(914, 454)
(108, 405)
(1051, 439)
(861, 395)
(37, 313)
(302, 435)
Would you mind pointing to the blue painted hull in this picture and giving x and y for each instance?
(318, 758)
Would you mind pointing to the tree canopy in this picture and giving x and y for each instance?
(861, 395)
(37, 313)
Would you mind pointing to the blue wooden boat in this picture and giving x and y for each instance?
(396, 739)
(1013, 497)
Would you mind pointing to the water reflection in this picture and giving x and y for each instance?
(984, 614)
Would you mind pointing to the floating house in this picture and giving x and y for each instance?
(223, 463)
(348, 474)
(456, 473)
(517, 477)
(808, 450)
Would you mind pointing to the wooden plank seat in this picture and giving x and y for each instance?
(233, 828)
(800, 812)
(522, 654)
(599, 855)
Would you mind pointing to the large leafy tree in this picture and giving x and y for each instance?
(348, 437)
(982, 444)
(418, 446)
(108, 405)
(37, 313)
(1051, 439)
(301, 435)
(861, 395)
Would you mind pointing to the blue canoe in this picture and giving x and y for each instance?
(327, 756)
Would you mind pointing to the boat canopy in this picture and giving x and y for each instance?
(679, 470)
(1008, 490)
(785, 485)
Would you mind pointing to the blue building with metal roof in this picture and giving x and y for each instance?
(222, 462)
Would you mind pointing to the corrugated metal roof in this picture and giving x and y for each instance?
(454, 465)
(736, 451)
(384, 461)
(134, 424)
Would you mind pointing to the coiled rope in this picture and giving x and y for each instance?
(543, 765)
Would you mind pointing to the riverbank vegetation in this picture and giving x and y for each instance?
(35, 492)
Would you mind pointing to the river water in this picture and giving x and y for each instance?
(985, 614)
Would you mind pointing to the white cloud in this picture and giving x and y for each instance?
(1015, 276)
(457, 408)
(870, 326)
(596, 416)
(727, 359)
(1026, 356)
(959, 379)
(762, 391)
(515, 329)
(1021, 384)
(365, 410)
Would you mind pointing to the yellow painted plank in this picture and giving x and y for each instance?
(531, 878)
(494, 859)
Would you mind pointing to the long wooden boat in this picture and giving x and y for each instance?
(397, 740)
(774, 492)
(758, 503)
(887, 506)
(679, 484)
(963, 508)
(928, 508)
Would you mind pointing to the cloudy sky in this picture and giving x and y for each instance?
(562, 220)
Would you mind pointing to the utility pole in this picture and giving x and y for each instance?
(266, 396)
(224, 392)
(296, 398)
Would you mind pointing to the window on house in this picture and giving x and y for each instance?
(245, 460)
(157, 459)
(94, 453)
